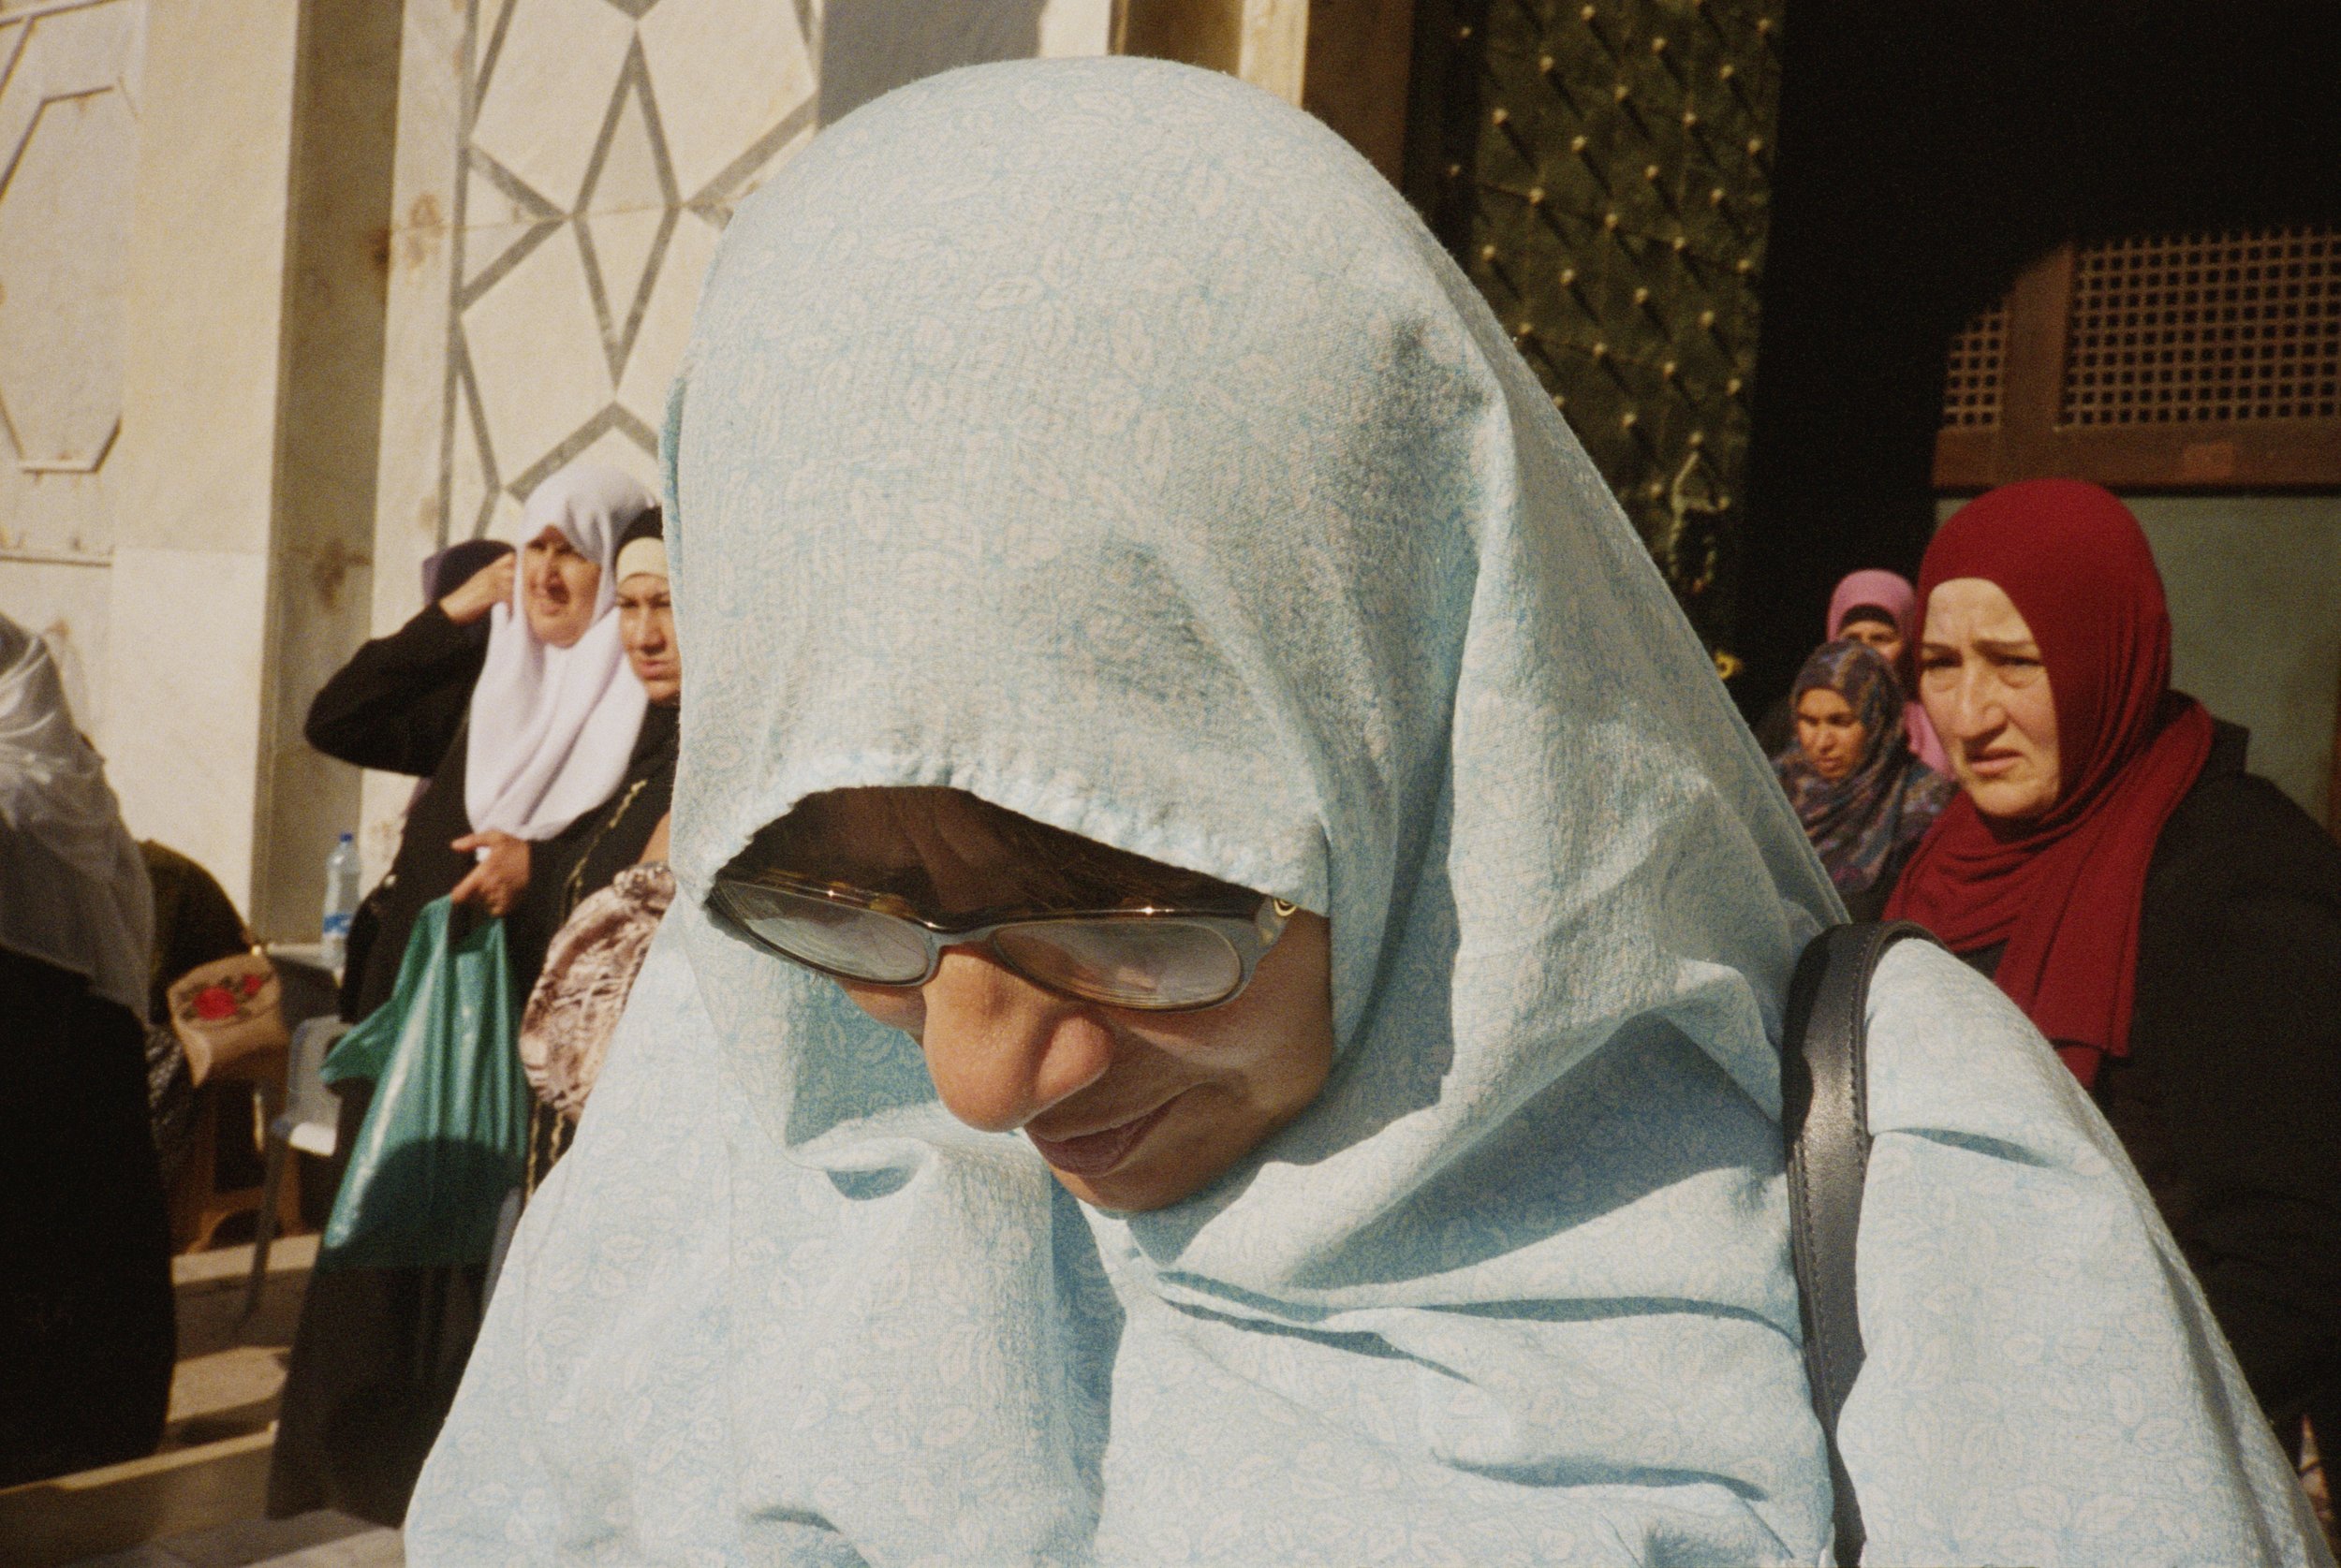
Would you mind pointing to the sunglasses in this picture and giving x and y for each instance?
(1156, 959)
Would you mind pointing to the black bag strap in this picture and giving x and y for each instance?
(1824, 1095)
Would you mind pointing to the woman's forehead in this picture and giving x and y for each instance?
(1974, 607)
(1829, 701)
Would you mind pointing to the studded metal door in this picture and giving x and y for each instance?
(1601, 170)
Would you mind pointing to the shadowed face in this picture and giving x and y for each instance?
(1829, 732)
(1987, 694)
(646, 625)
(1131, 1110)
(1879, 633)
(557, 588)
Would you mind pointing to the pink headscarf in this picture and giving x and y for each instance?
(1891, 593)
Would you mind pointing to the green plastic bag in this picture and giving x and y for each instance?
(446, 1136)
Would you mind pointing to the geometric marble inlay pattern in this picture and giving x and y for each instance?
(68, 151)
(603, 145)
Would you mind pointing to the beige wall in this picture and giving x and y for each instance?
(71, 106)
(190, 307)
(294, 292)
(243, 501)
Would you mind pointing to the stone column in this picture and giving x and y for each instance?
(1265, 42)
(1344, 61)
(244, 508)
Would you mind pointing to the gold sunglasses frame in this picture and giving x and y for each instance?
(1250, 936)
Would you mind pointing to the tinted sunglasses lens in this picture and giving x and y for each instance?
(859, 943)
(1126, 963)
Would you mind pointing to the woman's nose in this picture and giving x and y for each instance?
(1974, 710)
(1002, 1051)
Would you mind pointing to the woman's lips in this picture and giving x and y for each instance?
(1096, 1153)
(1990, 765)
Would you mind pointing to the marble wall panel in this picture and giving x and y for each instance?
(70, 85)
(192, 618)
(187, 770)
(722, 108)
(69, 604)
(329, 432)
(584, 154)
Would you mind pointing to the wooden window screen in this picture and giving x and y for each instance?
(2171, 362)
(1971, 383)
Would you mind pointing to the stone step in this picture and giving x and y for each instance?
(319, 1540)
(210, 1473)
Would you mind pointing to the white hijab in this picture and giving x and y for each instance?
(552, 728)
(73, 886)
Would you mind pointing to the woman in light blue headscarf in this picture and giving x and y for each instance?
(1090, 485)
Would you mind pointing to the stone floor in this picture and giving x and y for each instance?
(196, 1502)
(319, 1540)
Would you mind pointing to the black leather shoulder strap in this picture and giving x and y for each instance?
(1825, 1115)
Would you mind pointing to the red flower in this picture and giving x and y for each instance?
(213, 1002)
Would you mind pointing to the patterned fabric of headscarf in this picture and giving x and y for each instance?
(1865, 823)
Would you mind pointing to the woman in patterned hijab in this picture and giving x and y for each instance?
(1864, 796)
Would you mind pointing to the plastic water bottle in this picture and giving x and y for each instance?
(341, 900)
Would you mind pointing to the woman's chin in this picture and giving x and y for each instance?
(1130, 1191)
(1156, 1177)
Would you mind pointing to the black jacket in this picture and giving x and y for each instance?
(401, 705)
(583, 857)
(2229, 1100)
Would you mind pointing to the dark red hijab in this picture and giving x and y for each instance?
(2063, 892)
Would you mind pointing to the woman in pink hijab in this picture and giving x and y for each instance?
(1876, 608)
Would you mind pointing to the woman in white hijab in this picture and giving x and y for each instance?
(1222, 1001)
(521, 738)
(85, 1308)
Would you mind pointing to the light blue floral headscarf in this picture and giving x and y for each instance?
(1105, 439)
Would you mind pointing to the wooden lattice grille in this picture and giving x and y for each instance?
(1971, 383)
(2168, 362)
(2205, 327)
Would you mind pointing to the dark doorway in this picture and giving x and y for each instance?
(1927, 150)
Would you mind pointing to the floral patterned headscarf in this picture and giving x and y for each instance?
(1867, 822)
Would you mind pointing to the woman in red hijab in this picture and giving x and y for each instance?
(2170, 922)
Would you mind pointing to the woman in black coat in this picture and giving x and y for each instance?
(524, 737)
(2171, 922)
(86, 1315)
(402, 705)
(2230, 1099)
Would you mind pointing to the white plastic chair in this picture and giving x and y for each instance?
(309, 1121)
